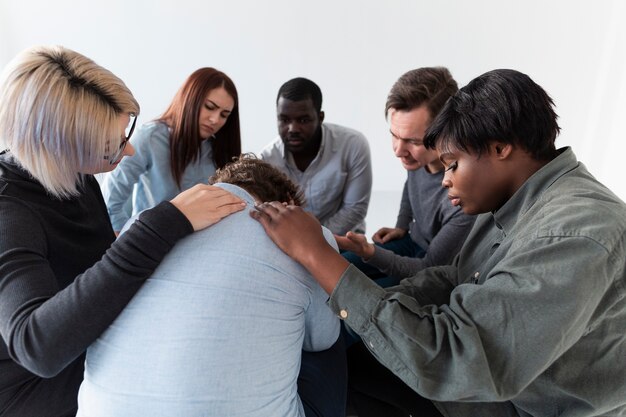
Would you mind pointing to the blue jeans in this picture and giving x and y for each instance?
(323, 381)
(375, 391)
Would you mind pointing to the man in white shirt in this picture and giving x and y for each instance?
(330, 163)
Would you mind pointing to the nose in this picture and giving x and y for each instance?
(446, 182)
(292, 127)
(399, 148)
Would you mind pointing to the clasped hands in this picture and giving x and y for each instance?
(358, 244)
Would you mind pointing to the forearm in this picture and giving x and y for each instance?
(429, 349)
(441, 251)
(325, 265)
(395, 265)
(47, 330)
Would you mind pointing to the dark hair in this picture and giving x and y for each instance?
(298, 89)
(260, 178)
(501, 105)
(430, 86)
(182, 118)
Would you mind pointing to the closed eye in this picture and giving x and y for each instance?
(452, 166)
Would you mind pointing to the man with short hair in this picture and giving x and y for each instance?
(219, 329)
(429, 230)
(330, 163)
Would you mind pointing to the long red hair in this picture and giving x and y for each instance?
(182, 118)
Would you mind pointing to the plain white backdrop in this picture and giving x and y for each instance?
(354, 50)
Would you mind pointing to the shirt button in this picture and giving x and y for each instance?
(343, 314)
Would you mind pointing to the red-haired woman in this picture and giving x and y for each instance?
(198, 133)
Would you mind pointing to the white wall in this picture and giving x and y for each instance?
(354, 50)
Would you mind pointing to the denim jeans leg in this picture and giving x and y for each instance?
(323, 381)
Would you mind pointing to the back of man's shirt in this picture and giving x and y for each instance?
(216, 331)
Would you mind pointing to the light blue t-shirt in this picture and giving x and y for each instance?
(147, 175)
(218, 330)
(338, 183)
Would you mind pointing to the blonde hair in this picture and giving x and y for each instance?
(59, 115)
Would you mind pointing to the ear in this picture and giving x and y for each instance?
(321, 116)
(501, 150)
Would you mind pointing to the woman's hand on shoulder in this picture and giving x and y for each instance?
(299, 234)
(295, 231)
(205, 205)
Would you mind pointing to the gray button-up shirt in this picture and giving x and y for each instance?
(338, 182)
(531, 318)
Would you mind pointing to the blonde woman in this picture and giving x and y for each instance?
(63, 279)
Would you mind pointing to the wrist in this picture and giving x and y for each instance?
(369, 251)
(325, 265)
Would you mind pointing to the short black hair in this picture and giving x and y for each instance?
(501, 105)
(298, 89)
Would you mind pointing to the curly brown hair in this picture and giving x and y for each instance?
(182, 118)
(430, 86)
(259, 178)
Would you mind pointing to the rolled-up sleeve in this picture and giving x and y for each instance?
(478, 342)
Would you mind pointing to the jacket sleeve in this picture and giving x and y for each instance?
(405, 215)
(357, 191)
(441, 251)
(120, 182)
(46, 328)
(485, 342)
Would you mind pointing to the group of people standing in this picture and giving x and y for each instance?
(515, 302)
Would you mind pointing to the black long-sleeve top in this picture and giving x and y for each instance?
(63, 280)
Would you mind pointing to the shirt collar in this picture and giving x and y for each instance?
(526, 196)
(238, 191)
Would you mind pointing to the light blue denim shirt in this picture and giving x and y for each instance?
(147, 175)
(531, 318)
(338, 183)
(217, 330)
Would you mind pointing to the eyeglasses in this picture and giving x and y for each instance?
(117, 155)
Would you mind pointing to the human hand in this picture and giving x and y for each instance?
(293, 230)
(299, 235)
(387, 234)
(204, 205)
(357, 243)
